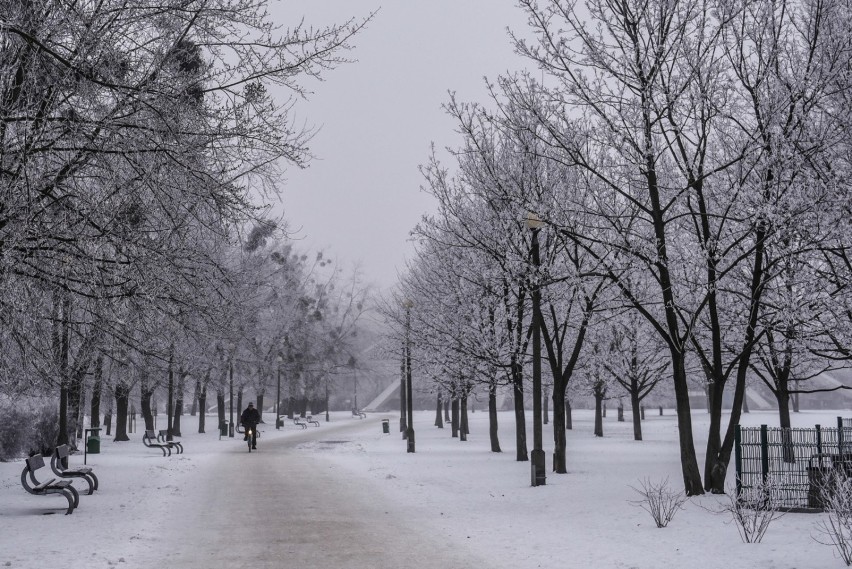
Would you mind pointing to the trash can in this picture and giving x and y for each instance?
(818, 488)
(386, 426)
(93, 444)
(223, 429)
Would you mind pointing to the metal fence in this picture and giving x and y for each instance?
(788, 467)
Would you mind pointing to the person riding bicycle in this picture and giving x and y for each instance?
(249, 420)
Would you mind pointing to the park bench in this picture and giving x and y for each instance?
(359, 414)
(60, 455)
(149, 439)
(312, 421)
(52, 486)
(297, 420)
(162, 437)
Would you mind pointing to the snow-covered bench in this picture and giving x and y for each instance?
(60, 454)
(163, 436)
(149, 439)
(52, 486)
(312, 421)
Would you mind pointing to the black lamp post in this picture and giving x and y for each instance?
(409, 432)
(231, 399)
(278, 396)
(537, 471)
(403, 427)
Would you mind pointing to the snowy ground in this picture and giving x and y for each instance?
(458, 493)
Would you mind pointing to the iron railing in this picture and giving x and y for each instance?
(788, 466)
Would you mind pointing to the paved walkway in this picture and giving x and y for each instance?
(283, 508)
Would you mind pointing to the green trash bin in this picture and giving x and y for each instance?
(93, 445)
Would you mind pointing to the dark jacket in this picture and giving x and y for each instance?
(250, 416)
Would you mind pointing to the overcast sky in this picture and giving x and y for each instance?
(378, 116)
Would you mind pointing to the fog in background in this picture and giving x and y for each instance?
(379, 115)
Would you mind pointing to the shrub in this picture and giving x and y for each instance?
(836, 528)
(13, 425)
(753, 510)
(659, 500)
(45, 431)
(27, 428)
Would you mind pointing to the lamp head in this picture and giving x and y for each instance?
(533, 221)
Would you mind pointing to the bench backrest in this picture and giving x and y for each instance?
(61, 451)
(151, 436)
(35, 462)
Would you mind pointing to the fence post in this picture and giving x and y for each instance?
(840, 435)
(819, 443)
(764, 452)
(738, 459)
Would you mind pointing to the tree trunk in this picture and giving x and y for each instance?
(122, 401)
(545, 400)
(638, 415)
(569, 419)
(97, 388)
(455, 416)
(202, 407)
(170, 396)
(220, 406)
(560, 442)
(439, 421)
(145, 394)
(598, 413)
(492, 418)
(78, 411)
(463, 422)
(60, 340)
(688, 459)
(718, 455)
(782, 396)
(521, 454)
(195, 398)
(259, 405)
(620, 412)
(447, 418)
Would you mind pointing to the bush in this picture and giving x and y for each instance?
(26, 429)
(13, 427)
(659, 500)
(45, 431)
(753, 510)
(836, 528)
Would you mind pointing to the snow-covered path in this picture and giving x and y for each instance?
(280, 507)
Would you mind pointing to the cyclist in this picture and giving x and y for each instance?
(249, 420)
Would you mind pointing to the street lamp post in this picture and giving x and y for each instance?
(403, 427)
(278, 396)
(537, 471)
(231, 399)
(409, 433)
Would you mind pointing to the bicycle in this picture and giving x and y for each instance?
(251, 436)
